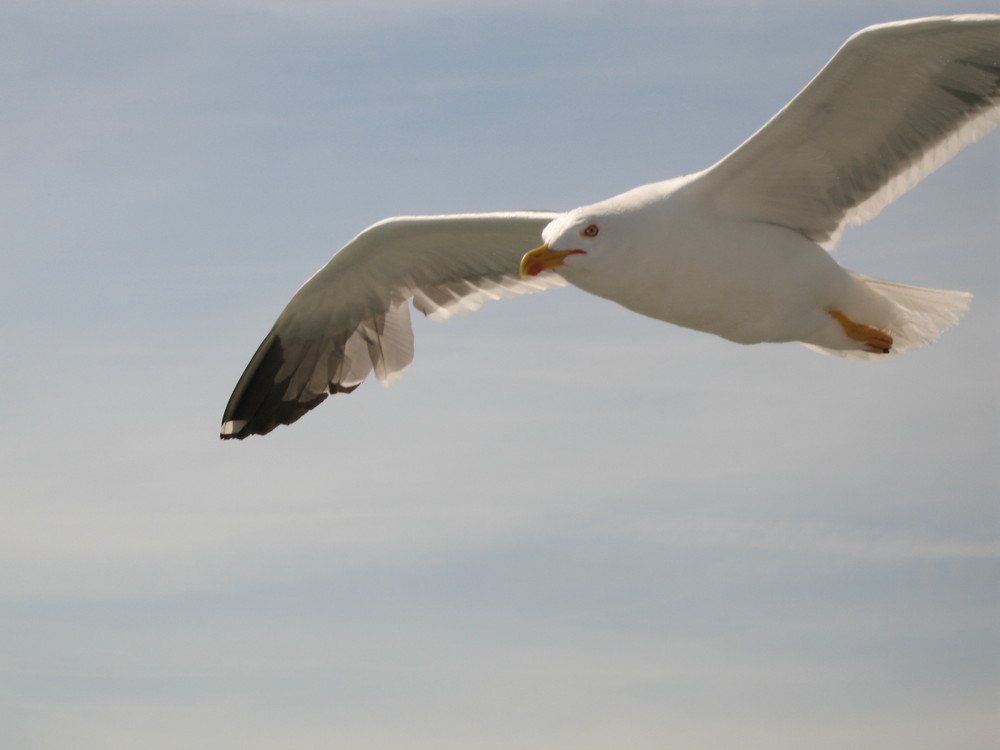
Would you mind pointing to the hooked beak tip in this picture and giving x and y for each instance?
(532, 263)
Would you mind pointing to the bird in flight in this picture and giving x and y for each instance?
(740, 249)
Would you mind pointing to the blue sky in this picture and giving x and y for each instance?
(566, 526)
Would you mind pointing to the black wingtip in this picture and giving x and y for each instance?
(260, 402)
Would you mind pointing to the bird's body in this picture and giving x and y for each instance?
(746, 281)
(739, 250)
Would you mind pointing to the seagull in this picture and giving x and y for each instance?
(740, 250)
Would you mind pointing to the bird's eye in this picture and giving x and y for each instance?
(591, 230)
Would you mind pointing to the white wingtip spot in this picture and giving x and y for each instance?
(233, 426)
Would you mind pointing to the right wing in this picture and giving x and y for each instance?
(352, 316)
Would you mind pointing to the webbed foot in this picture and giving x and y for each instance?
(875, 339)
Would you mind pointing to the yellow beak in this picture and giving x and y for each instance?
(542, 259)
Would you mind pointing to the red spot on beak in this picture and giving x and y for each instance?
(542, 258)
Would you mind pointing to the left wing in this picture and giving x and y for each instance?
(353, 315)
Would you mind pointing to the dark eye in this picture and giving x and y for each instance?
(591, 230)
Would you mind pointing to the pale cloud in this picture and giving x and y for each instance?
(812, 539)
(567, 526)
(328, 14)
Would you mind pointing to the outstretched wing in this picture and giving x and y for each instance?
(896, 102)
(353, 315)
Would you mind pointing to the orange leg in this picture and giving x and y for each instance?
(875, 339)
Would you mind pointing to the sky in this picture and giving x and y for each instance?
(567, 526)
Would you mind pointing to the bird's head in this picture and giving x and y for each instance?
(577, 233)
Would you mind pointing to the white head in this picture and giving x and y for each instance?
(603, 235)
(577, 240)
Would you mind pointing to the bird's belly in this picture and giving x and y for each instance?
(752, 284)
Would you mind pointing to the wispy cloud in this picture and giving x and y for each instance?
(567, 526)
(812, 539)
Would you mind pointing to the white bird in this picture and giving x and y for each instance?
(739, 250)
